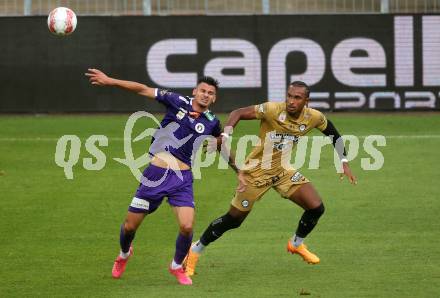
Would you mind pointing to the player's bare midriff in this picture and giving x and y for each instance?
(166, 160)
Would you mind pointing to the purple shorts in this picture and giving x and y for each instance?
(158, 183)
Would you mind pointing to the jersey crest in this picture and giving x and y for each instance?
(200, 128)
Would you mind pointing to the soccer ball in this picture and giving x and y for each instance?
(61, 21)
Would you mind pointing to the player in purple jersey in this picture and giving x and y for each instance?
(169, 172)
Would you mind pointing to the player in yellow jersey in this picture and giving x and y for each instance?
(281, 126)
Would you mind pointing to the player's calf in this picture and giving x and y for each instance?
(219, 226)
(126, 237)
(307, 223)
(214, 231)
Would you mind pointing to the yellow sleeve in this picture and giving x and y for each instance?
(265, 109)
(320, 120)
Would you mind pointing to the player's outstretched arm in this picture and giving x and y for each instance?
(247, 113)
(332, 132)
(97, 77)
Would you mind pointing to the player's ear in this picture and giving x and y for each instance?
(194, 91)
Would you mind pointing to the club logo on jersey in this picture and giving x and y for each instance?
(282, 117)
(302, 127)
(245, 203)
(200, 128)
(297, 177)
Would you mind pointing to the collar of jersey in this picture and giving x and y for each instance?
(300, 117)
(202, 113)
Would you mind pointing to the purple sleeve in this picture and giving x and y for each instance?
(217, 129)
(167, 97)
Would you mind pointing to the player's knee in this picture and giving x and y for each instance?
(129, 227)
(318, 211)
(237, 224)
(232, 221)
(321, 209)
(186, 229)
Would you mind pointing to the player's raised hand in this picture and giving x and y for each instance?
(97, 77)
(347, 172)
(241, 182)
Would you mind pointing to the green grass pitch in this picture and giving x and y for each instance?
(59, 237)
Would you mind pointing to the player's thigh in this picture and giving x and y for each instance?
(297, 188)
(289, 182)
(185, 217)
(244, 201)
(306, 196)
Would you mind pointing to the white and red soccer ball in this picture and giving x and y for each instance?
(61, 21)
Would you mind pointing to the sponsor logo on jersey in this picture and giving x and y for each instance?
(209, 115)
(280, 146)
(200, 128)
(280, 136)
(180, 115)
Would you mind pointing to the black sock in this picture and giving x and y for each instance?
(216, 228)
(309, 220)
(125, 239)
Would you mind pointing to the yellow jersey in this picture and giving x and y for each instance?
(279, 132)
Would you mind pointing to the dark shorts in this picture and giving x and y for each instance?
(158, 183)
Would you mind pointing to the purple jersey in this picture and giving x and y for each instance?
(182, 134)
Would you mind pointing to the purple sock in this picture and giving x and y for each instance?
(125, 239)
(183, 243)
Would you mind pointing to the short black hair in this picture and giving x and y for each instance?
(208, 80)
(301, 84)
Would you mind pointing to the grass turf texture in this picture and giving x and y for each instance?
(59, 237)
